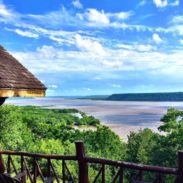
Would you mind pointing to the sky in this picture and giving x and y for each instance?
(97, 47)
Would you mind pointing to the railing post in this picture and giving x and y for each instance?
(23, 179)
(9, 164)
(2, 167)
(34, 170)
(63, 171)
(180, 167)
(49, 168)
(83, 167)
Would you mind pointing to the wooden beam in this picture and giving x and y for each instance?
(22, 93)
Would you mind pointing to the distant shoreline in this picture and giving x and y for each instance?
(153, 97)
(126, 97)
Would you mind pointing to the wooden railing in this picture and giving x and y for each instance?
(41, 168)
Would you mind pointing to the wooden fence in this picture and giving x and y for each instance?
(41, 168)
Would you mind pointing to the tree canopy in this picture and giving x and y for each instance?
(43, 130)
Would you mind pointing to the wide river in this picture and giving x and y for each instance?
(121, 117)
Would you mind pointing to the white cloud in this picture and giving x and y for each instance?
(77, 4)
(177, 19)
(112, 64)
(88, 52)
(52, 86)
(48, 59)
(42, 24)
(156, 38)
(175, 29)
(142, 3)
(57, 39)
(89, 45)
(120, 15)
(144, 48)
(25, 33)
(137, 47)
(4, 11)
(47, 51)
(181, 41)
(56, 19)
(164, 3)
(96, 17)
(161, 3)
(175, 3)
(7, 15)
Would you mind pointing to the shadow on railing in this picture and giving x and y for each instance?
(31, 167)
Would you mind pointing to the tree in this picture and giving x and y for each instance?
(140, 146)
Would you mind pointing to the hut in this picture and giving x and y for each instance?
(16, 80)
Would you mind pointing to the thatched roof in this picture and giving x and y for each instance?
(16, 80)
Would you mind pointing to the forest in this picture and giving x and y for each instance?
(53, 131)
(172, 96)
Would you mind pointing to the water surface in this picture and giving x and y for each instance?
(122, 117)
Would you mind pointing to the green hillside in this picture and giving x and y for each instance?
(174, 96)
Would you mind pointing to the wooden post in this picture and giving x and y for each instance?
(49, 169)
(2, 167)
(63, 171)
(180, 167)
(23, 179)
(103, 173)
(83, 167)
(34, 170)
(121, 175)
(9, 164)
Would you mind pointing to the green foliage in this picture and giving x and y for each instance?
(48, 146)
(170, 143)
(12, 136)
(172, 121)
(140, 146)
(90, 120)
(52, 131)
(158, 149)
(23, 126)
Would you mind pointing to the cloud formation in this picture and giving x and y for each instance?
(156, 38)
(96, 45)
(77, 4)
(4, 11)
(165, 3)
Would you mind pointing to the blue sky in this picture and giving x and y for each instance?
(90, 47)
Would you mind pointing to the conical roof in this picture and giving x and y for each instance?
(16, 80)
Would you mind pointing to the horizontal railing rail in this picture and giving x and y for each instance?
(127, 165)
(38, 167)
(39, 155)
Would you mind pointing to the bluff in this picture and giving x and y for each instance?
(173, 96)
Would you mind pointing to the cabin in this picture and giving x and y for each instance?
(17, 81)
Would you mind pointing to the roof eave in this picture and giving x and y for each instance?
(22, 92)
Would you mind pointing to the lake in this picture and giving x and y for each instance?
(121, 117)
